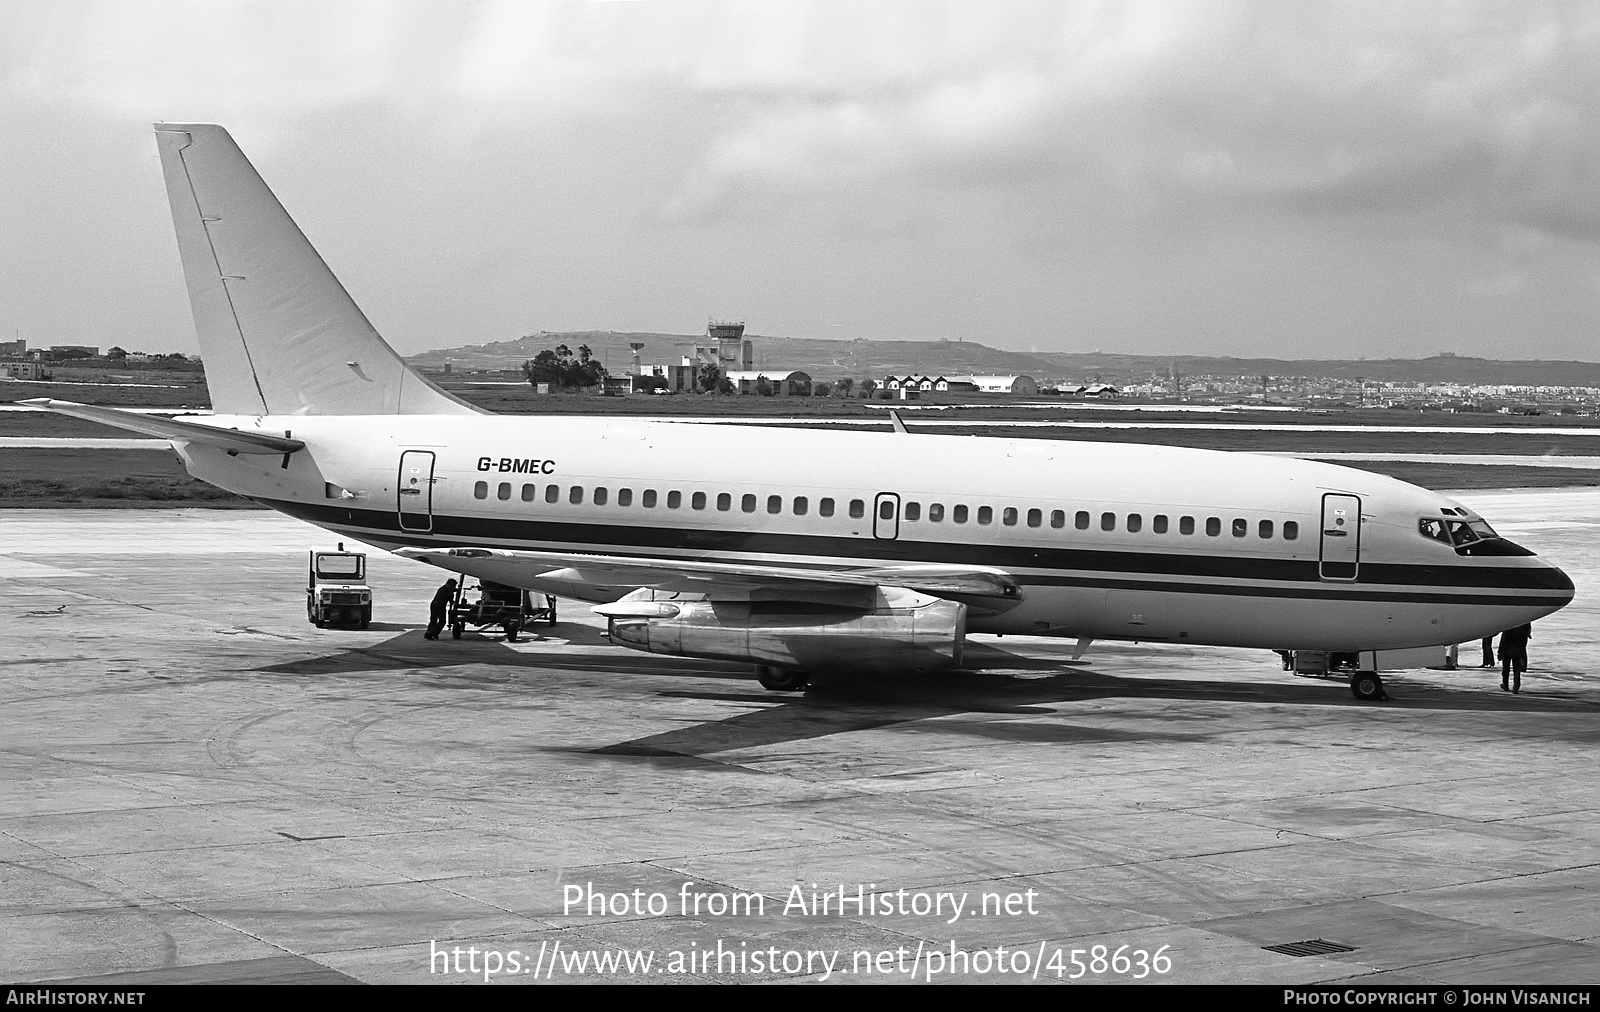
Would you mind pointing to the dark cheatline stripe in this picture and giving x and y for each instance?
(1295, 578)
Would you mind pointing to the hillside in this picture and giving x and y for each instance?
(827, 359)
(821, 358)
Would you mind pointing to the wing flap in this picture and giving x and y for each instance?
(989, 590)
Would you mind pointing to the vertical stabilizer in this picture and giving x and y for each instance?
(278, 332)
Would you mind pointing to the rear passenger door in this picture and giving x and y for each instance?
(414, 491)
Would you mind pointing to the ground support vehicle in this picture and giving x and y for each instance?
(484, 604)
(336, 589)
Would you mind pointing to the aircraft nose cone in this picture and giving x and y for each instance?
(1560, 581)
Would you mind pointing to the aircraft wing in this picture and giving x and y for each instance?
(984, 590)
(234, 440)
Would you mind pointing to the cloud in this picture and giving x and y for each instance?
(1280, 110)
(1487, 111)
(943, 161)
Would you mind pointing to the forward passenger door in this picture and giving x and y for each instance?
(886, 516)
(1341, 536)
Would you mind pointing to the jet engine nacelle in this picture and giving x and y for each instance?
(891, 630)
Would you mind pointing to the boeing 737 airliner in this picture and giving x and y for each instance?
(796, 551)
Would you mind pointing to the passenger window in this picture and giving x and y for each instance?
(858, 509)
(624, 497)
(747, 502)
(801, 504)
(1108, 521)
(1035, 518)
(1186, 525)
(774, 504)
(674, 499)
(985, 514)
(1081, 520)
(1291, 530)
(698, 501)
(600, 495)
(1213, 526)
(935, 512)
(1265, 528)
(959, 514)
(529, 493)
(1241, 527)
(886, 510)
(1158, 523)
(576, 495)
(1058, 518)
(648, 499)
(481, 490)
(552, 493)
(1135, 521)
(1008, 516)
(913, 511)
(724, 501)
(504, 491)
(825, 507)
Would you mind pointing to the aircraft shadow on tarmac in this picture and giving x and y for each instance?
(989, 683)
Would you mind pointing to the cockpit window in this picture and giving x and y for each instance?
(1432, 527)
(1455, 532)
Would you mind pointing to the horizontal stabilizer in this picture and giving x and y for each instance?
(235, 440)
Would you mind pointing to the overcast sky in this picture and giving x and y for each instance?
(1291, 179)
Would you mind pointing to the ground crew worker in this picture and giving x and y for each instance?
(439, 609)
(1514, 656)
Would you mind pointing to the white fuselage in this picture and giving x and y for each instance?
(1107, 540)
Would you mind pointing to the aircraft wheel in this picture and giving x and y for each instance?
(781, 679)
(511, 632)
(456, 631)
(1366, 685)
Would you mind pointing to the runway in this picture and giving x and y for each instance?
(199, 785)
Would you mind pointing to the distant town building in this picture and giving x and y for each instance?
(64, 351)
(14, 349)
(1022, 385)
(1104, 391)
(24, 370)
(783, 383)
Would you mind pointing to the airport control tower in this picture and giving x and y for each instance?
(731, 353)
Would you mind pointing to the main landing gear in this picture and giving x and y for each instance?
(782, 679)
(1367, 685)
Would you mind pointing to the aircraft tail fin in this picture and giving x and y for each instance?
(278, 333)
